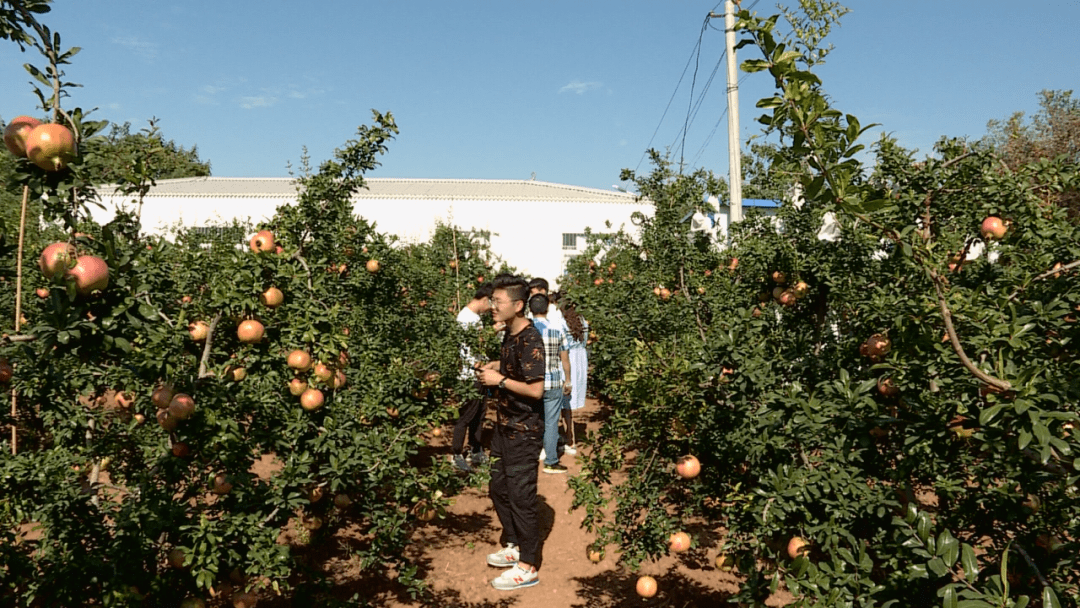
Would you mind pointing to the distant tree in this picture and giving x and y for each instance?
(1053, 131)
(122, 155)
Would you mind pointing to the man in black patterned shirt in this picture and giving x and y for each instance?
(519, 433)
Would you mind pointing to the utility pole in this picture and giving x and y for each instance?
(734, 151)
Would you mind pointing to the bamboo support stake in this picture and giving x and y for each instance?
(18, 310)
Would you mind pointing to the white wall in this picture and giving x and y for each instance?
(527, 235)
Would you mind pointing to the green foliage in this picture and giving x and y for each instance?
(937, 472)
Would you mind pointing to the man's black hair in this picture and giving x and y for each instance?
(538, 304)
(516, 288)
(539, 283)
(483, 292)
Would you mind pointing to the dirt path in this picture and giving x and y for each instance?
(453, 551)
(451, 556)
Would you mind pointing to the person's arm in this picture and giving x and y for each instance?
(533, 390)
(565, 357)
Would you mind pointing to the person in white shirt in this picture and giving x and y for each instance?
(472, 412)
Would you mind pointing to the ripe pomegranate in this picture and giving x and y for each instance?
(424, 511)
(176, 557)
(181, 449)
(198, 330)
(7, 372)
(646, 586)
(221, 485)
(723, 562)
(162, 396)
(262, 242)
(42, 292)
(250, 331)
(323, 372)
(342, 501)
(16, 132)
(796, 547)
(312, 399)
(244, 600)
(688, 467)
(679, 542)
(235, 373)
(51, 146)
(878, 345)
(166, 421)
(887, 387)
(182, 406)
(56, 259)
(297, 386)
(125, 400)
(779, 277)
(787, 298)
(299, 360)
(801, 289)
(272, 297)
(91, 273)
(993, 228)
(338, 380)
(665, 293)
(372, 266)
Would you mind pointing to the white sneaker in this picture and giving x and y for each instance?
(516, 578)
(505, 557)
(543, 455)
(569, 449)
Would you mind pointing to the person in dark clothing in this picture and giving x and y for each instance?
(471, 414)
(519, 432)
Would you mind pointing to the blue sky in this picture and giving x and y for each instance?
(571, 91)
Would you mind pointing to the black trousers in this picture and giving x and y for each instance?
(470, 418)
(514, 472)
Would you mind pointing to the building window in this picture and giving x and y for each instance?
(207, 236)
(570, 240)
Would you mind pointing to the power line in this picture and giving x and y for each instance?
(694, 107)
(695, 50)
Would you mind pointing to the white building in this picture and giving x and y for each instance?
(535, 226)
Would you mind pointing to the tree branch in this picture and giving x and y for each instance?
(946, 314)
(146, 298)
(206, 347)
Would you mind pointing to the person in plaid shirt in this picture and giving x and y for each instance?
(556, 379)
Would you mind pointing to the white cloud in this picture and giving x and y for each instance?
(147, 51)
(580, 87)
(210, 89)
(259, 101)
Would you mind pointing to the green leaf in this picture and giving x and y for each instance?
(1024, 439)
(770, 102)
(969, 562)
(1049, 598)
(987, 415)
(948, 599)
(948, 548)
(754, 65)
(922, 527)
(938, 567)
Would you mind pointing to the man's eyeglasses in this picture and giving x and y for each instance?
(500, 301)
